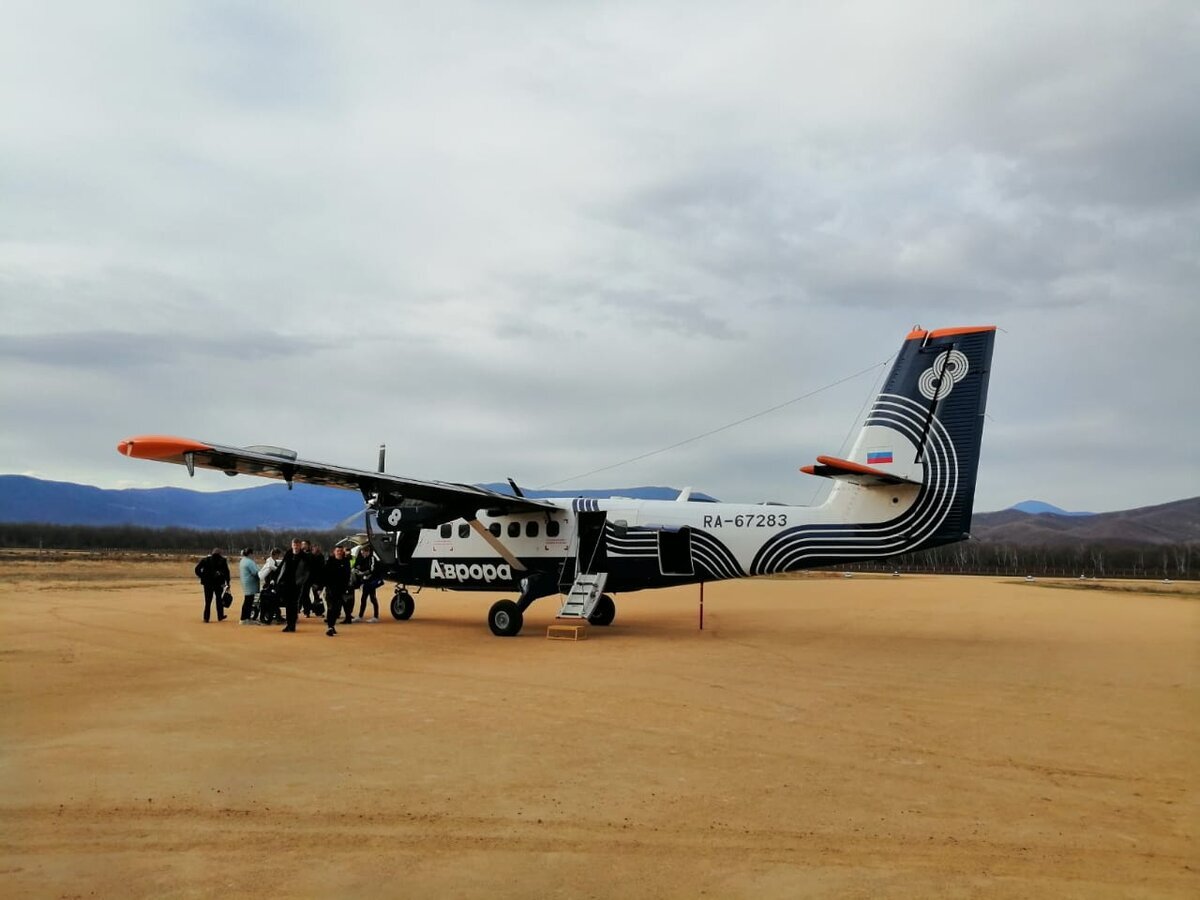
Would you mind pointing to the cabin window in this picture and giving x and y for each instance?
(514, 529)
(464, 530)
(494, 528)
(531, 529)
(446, 530)
(552, 528)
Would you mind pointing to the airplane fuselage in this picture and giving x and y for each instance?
(644, 544)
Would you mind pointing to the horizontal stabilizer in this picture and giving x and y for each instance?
(855, 473)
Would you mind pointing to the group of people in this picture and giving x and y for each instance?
(300, 579)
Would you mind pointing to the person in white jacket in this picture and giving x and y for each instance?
(266, 577)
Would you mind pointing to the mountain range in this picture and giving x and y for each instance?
(25, 499)
(1177, 522)
(1037, 507)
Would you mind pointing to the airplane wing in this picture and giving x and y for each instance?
(276, 462)
(855, 473)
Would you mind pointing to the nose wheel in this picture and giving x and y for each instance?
(402, 604)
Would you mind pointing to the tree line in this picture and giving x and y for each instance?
(1091, 560)
(135, 537)
(1098, 560)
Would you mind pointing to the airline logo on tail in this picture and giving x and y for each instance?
(947, 370)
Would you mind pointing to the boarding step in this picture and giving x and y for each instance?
(582, 597)
(567, 632)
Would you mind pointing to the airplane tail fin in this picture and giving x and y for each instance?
(918, 451)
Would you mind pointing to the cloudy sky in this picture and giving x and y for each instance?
(540, 238)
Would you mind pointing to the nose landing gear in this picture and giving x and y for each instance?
(402, 604)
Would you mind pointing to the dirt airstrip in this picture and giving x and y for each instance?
(909, 736)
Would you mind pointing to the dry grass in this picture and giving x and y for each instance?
(1189, 590)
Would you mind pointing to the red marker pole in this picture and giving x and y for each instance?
(702, 606)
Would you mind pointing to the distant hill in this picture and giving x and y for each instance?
(1169, 523)
(1037, 507)
(25, 499)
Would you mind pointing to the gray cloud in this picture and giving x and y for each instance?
(535, 240)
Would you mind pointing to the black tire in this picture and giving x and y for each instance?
(603, 612)
(505, 619)
(402, 605)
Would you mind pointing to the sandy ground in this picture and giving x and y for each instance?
(860, 737)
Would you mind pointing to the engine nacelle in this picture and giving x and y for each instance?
(414, 514)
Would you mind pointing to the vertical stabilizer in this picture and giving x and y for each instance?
(926, 426)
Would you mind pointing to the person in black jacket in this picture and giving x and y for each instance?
(336, 582)
(364, 573)
(293, 578)
(307, 586)
(316, 578)
(213, 572)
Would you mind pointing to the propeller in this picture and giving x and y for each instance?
(371, 503)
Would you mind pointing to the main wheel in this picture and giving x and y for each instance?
(505, 618)
(604, 611)
(402, 605)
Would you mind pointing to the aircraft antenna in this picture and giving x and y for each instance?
(855, 426)
(382, 455)
(726, 427)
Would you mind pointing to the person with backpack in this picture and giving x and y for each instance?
(364, 574)
(213, 572)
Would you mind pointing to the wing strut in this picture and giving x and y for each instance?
(495, 544)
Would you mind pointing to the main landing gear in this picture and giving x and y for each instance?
(402, 604)
(603, 612)
(506, 617)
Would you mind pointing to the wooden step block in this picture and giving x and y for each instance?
(567, 632)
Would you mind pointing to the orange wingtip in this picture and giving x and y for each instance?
(918, 333)
(158, 446)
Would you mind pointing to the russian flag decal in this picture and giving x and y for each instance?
(878, 457)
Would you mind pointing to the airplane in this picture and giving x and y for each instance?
(908, 483)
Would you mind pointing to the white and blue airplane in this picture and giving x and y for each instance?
(907, 484)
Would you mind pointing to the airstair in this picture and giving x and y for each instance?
(581, 599)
